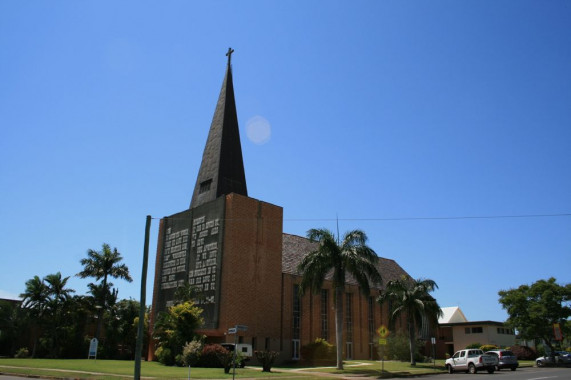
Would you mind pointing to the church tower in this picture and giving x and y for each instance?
(222, 168)
(226, 245)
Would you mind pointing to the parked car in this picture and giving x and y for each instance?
(560, 357)
(471, 360)
(506, 359)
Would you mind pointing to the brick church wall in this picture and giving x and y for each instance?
(251, 268)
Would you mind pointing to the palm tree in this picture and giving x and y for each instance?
(35, 300)
(56, 289)
(58, 297)
(410, 298)
(101, 266)
(350, 257)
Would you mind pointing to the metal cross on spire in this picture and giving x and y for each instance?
(229, 55)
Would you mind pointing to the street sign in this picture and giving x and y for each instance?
(383, 331)
(382, 342)
(557, 334)
(232, 330)
(241, 328)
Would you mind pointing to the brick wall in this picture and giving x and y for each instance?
(311, 318)
(251, 268)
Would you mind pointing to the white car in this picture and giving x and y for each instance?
(471, 360)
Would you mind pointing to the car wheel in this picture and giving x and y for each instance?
(472, 368)
(497, 368)
(513, 368)
(450, 369)
(539, 363)
(490, 370)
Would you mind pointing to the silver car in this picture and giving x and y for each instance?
(506, 359)
(560, 357)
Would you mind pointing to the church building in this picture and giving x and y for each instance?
(233, 249)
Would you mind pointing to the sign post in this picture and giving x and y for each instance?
(383, 334)
(234, 330)
(433, 341)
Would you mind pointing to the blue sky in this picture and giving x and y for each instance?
(401, 118)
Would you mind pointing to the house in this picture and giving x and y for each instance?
(455, 332)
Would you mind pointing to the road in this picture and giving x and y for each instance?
(528, 373)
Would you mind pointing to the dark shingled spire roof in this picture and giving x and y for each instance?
(222, 168)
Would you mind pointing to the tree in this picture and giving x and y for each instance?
(12, 326)
(58, 297)
(534, 309)
(188, 292)
(34, 300)
(175, 327)
(350, 257)
(411, 298)
(102, 265)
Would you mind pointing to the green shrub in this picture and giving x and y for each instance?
(524, 352)
(398, 348)
(226, 359)
(191, 353)
(473, 345)
(164, 356)
(266, 358)
(488, 347)
(22, 353)
(209, 356)
(319, 351)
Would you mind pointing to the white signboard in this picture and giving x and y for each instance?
(93, 349)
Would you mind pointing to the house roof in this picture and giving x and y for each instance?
(296, 247)
(474, 323)
(452, 314)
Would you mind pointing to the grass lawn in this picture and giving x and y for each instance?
(371, 368)
(120, 369)
(117, 369)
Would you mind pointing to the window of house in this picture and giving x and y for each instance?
(324, 310)
(467, 330)
(477, 330)
(349, 325)
(295, 349)
(349, 350)
(296, 322)
(371, 319)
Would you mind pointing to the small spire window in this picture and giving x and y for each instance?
(205, 186)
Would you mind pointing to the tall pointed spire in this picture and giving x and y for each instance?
(222, 168)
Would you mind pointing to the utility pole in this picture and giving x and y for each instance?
(141, 327)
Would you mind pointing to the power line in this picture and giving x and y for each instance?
(434, 218)
(403, 218)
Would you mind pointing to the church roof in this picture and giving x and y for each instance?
(296, 247)
(222, 168)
